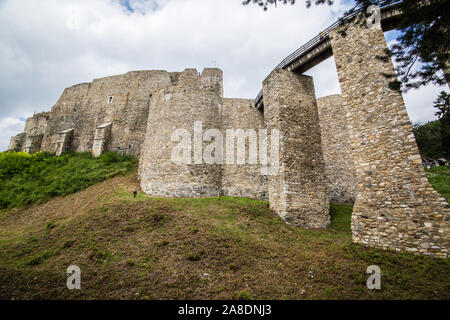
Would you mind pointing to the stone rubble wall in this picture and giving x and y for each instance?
(242, 180)
(395, 206)
(122, 100)
(190, 98)
(356, 146)
(336, 149)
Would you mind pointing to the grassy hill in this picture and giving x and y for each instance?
(439, 178)
(209, 248)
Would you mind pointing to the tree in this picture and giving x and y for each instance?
(442, 103)
(424, 37)
(428, 138)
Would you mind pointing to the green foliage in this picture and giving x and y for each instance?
(442, 103)
(114, 157)
(428, 137)
(439, 178)
(28, 179)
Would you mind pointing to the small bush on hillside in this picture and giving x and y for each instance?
(15, 162)
(112, 157)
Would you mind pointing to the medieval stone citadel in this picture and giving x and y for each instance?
(356, 147)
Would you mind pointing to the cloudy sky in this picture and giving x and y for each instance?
(47, 45)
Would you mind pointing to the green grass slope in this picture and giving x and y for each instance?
(210, 248)
(439, 178)
(156, 248)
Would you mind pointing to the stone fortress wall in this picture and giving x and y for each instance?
(358, 146)
(143, 109)
(242, 180)
(298, 192)
(336, 149)
(395, 207)
(190, 97)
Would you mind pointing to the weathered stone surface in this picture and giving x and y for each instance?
(122, 100)
(33, 143)
(243, 180)
(337, 152)
(395, 206)
(190, 98)
(298, 193)
(37, 124)
(101, 138)
(16, 142)
(64, 141)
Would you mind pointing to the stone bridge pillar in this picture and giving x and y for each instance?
(395, 206)
(298, 193)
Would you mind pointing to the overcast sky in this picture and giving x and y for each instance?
(48, 45)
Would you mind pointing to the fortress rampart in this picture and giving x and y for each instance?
(358, 146)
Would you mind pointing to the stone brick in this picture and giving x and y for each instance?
(101, 138)
(336, 149)
(33, 143)
(64, 142)
(243, 180)
(190, 98)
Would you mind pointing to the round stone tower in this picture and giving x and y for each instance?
(172, 162)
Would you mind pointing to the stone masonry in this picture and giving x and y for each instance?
(124, 111)
(242, 180)
(395, 205)
(336, 149)
(64, 141)
(358, 146)
(31, 138)
(191, 98)
(298, 193)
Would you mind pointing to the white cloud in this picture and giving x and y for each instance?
(325, 77)
(45, 48)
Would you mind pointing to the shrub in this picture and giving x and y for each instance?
(111, 157)
(28, 179)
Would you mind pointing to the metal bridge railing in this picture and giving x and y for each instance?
(322, 36)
